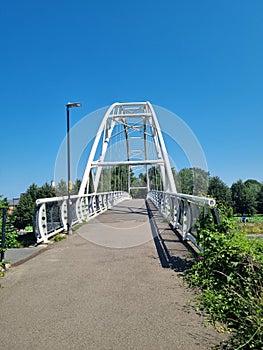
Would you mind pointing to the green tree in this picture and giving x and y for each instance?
(76, 186)
(201, 178)
(46, 191)
(185, 181)
(140, 181)
(61, 188)
(243, 198)
(10, 232)
(260, 201)
(192, 181)
(115, 179)
(155, 180)
(23, 214)
(219, 190)
(253, 187)
(238, 197)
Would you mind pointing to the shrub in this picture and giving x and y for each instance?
(229, 274)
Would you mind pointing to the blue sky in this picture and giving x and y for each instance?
(202, 60)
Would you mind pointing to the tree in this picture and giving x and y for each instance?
(10, 232)
(155, 180)
(61, 188)
(76, 186)
(46, 191)
(238, 197)
(253, 188)
(192, 181)
(201, 178)
(185, 181)
(244, 200)
(219, 190)
(23, 214)
(260, 201)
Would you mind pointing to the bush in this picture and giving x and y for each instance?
(10, 232)
(229, 274)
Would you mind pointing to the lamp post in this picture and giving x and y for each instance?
(69, 219)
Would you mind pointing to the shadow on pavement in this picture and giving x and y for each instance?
(172, 251)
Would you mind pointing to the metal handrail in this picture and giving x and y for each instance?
(51, 214)
(181, 210)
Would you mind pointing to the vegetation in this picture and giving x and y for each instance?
(244, 197)
(59, 237)
(23, 214)
(229, 274)
(192, 181)
(10, 232)
(219, 190)
(253, 224)
(62, 189)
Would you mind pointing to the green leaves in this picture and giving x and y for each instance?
(23, 214)
(10, 231)
(230, 276)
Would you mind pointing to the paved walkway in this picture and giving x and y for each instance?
(19, 255)
(81, 295)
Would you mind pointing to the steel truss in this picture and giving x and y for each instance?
(142, 143)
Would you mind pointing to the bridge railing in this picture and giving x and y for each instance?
(51, 216)
(183, 211)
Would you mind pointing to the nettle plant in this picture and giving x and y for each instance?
(229, 273)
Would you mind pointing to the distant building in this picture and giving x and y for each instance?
(12, 203)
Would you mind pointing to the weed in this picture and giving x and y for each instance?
(76, 227)
(59, 237)
(229, 274)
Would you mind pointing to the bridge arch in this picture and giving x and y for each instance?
(134, 128)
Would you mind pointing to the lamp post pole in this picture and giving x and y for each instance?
(69, 217)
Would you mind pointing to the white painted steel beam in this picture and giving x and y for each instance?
(146, 128)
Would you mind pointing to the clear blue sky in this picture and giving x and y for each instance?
(203, 60)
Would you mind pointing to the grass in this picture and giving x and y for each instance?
(59, 237)
(250, 219)
(76, 227)
(254, 224)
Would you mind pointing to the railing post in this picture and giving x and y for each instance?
(42, 220)
(185, 221)
(64, 213)
(181, 210)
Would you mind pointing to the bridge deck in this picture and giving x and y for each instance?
(81, 295)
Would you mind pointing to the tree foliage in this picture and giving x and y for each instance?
(246, 196)
(23, 214)
(10, 231)
(115, 179)
(260, 201)
(192, 181)
(219, 191)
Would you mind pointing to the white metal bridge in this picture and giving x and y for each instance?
(129, 141)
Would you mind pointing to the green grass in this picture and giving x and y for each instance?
(251, 219)
(254, 224)
(59, 237)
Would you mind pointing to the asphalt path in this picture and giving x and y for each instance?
(83, 294)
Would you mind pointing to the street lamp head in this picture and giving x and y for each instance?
(73, 105)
